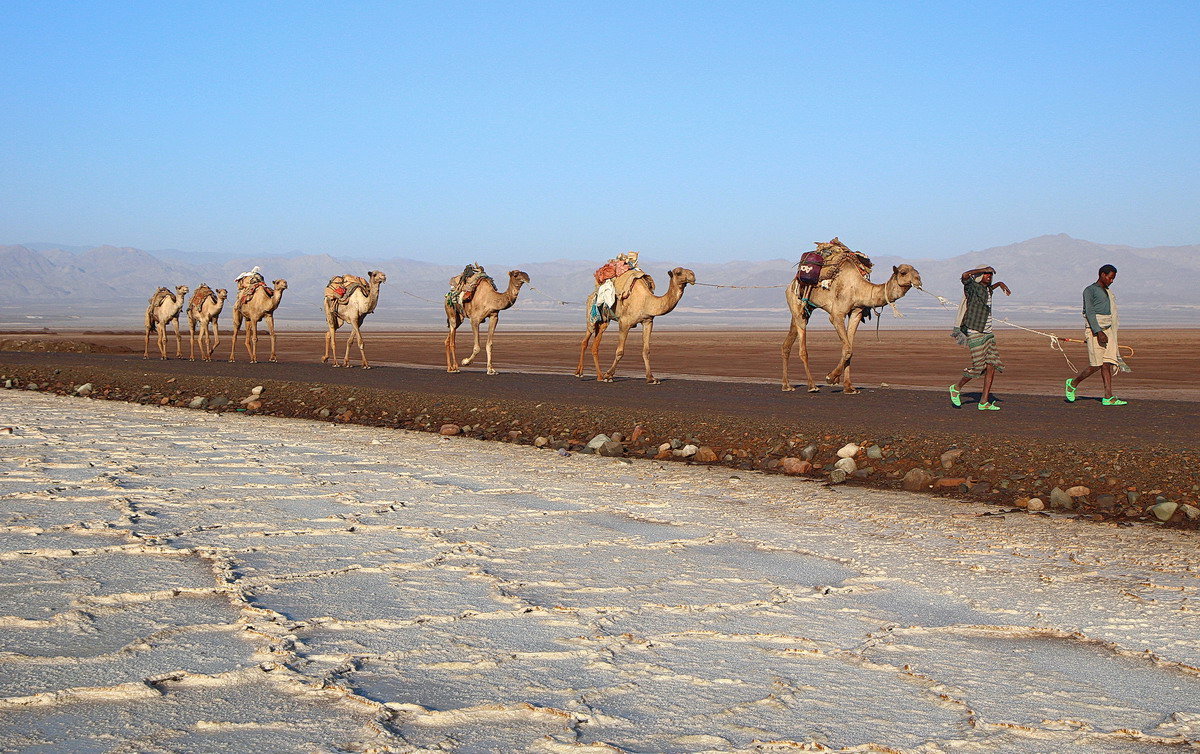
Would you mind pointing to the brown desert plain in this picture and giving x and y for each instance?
(720, 393)
(1165, 362)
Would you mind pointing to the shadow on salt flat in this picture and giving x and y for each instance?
(373, 595)
(911, 605)
(616, 576)
(201, 651)
(522, 530)
(1007, 677)
(241, 715)
(107, 629)
(329, 549)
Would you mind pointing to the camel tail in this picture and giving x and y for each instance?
(150, 324)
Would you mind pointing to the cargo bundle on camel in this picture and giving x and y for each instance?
(473, 296)
(838, 282)
(626, 294)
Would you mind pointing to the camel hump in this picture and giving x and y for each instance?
(355, 279)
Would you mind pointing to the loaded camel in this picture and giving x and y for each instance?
(485, 306)
(848, 298)
(164, 307)
(204, 310)
(640, 307)
(255, 302)
(350, 306)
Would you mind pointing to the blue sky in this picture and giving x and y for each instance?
(533, 131)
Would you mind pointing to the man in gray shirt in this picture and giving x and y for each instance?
(1100, 334)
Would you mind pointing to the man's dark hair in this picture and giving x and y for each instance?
(1107, 269)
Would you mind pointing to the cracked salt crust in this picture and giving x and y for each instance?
(181, 581)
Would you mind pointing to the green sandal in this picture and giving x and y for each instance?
(955, 396)
(1070, 390)
(988, 407)
(1114, 401)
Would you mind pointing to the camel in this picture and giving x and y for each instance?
(639, 308)
(353, 310)
(847, 299)
(256, 301)
(485, 306)
(164, 307)
(204, 310)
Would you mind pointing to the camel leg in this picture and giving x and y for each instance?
(596, 336)
(361, 351)
(192, 340)
(271, 330)
(788, 341)
(216, 338)
(491, 334)
(161, 341)
(846, 337)
(237, 325)
(452, 322)
(252, 340)
(474, 350)
(855, 320)
(621, 338)
(802, 325)
(647, 328)
(178, 339)
(330, 341)
(355, 336)
(146, 353)
(583, 344)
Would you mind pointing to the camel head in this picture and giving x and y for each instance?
(181, 290)
(221, 294)
(684, 275)
(280, 284)
(906, 276)
(376, 276)
(518, 277)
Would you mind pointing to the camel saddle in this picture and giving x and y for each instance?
(202, 293)
(161, 295)
(248, 292)
(833, 254)
(624, 282)
(462, 286)
(341, 286)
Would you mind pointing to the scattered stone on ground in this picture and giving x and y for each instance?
(917, 480)
(450, 430)
(1017, 470)
(951, 456)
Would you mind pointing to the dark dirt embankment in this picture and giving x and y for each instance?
(1129, 459)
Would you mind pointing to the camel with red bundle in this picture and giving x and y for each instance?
(202, 313)
(849, 296)
(348, 300)
(637, 306)
(485, 305)
(164, 307)
(256, 302)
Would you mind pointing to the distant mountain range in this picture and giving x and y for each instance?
(106, 287)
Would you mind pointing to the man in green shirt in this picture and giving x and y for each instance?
(974, 330)
(1100, 334)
